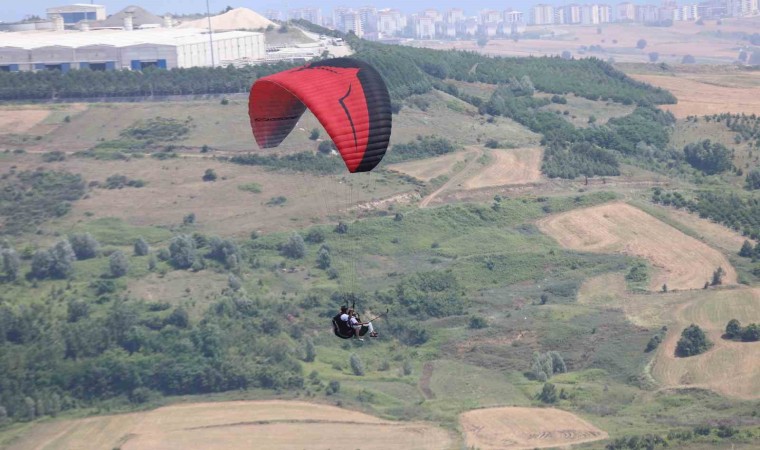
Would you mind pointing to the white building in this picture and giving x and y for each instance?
(424, 27)
(514, 16)
(136, 50)
(626, 12)
(542, 14)
(454, 15)
(572, 13)
(590, 14)
(351, 21)
(78, 12)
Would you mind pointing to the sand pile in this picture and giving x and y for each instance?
(235, 19)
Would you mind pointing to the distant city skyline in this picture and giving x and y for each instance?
(15, 10)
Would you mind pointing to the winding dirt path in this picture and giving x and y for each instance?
(457, 178)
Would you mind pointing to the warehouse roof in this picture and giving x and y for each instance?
(116, 38)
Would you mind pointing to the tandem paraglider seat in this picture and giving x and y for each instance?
(341, 328)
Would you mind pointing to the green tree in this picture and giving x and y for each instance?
(717, 278)
(182, 251)
(733, 329)
(482, 41)
(118, 264)
(314, 134)
(85, 246)
(323, 258)
(753, 179)
(653, 57)
(188, 219)
(641, 44)
(548, 393)
(325, 147)
(179, 318)
(751, 333)
(693, 342)
(356, 365)
(688, 59)
(295, 248)
(746, 250)
(141, 247)
(653, 343)
(62, 259)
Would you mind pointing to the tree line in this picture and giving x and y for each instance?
(741, 213)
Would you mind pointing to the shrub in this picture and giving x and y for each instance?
(356, 365)
(118, 264)
(693, 342)
(84, 245)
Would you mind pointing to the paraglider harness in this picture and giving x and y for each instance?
(344, 330)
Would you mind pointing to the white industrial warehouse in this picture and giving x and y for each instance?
(121, 49)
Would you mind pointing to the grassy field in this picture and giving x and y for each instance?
(525, 428)
(680, 261)
(730, 368)
(579, 110)
(544, 270)
(224, 425)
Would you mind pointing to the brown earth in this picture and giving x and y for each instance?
(524, 428)
(697, 97)
(429, 168)
(517, 166)
(680, 261)
(14, 121)
(235, 425)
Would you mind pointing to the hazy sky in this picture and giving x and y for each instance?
(13, 10)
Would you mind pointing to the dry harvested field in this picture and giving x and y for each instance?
(680, 261)
(235, 425)
(14, 121)
(619, 40)
(429, 168)
(731, 368)
(523, 428)
(703, 97)
(175, 189)
(517, 166)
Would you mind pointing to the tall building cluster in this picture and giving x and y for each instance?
(381, 23)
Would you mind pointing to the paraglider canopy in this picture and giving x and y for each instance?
(347, 96)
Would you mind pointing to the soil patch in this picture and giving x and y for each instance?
(517, 166)
(679, 260)
(523, 428)
(241, 424)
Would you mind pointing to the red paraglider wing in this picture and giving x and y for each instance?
(348, 97)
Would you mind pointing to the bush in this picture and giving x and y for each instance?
(295, 247)
(356, 365)
(84, 245)
(118, 264)
(141, 247)
(209, 175)
(182, 251)
(693, 342)
(548, 393)
(477, 322)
